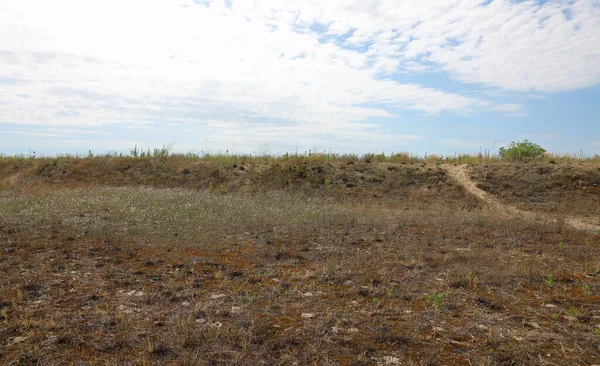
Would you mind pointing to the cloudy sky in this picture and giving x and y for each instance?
(348, 76)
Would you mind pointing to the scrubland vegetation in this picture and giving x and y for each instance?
(168, 259)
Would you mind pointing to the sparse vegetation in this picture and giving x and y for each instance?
(173, 259)
(436, 300)
(585, 288)
(560, 189)
(549, 280)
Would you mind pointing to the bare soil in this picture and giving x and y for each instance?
(186, 262)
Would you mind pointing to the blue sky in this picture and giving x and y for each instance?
(256, 76)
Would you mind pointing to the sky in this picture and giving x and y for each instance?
(270, 76)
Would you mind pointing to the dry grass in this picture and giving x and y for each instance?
(298, 273)
(562, 189)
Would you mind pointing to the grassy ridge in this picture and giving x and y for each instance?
(162, 168)
(221, 175)
(552, 184)
(557, 188)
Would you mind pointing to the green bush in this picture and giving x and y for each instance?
(521, 151)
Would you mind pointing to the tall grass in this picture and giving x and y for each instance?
(310, 156)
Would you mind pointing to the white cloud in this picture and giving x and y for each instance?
(525, 46)
(54, 132)
(155, 51)
(30, 133)
(261, 64)
(281, 138)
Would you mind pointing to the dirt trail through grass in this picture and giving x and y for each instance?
(461, 176)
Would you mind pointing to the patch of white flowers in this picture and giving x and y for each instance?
(142, 210)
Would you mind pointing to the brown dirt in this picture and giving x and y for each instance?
(460, 174)
(219, 269)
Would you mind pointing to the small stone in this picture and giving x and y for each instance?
(520, 339)
(140, 293)
(124, 309)
(236, 309)
(481, 327)
(19, 340)
(217, 296)
(307, 315)
(353, 330)
(407, 311)
(457, 343)
(390, 360)
(307, 294)
(185, 303)
(201, 321)
(438, 329)
(52, 340)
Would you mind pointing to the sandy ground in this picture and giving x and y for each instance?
(460, 174)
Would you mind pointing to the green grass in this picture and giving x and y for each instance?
(315, 156)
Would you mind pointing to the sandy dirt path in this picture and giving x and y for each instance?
(461, 176)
